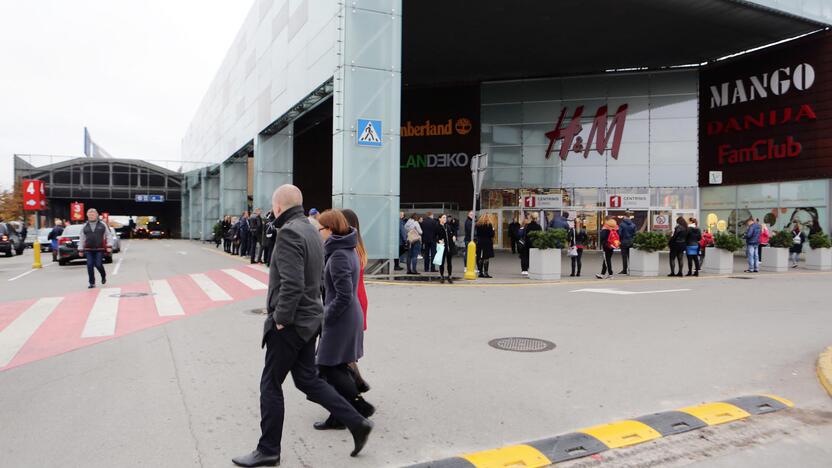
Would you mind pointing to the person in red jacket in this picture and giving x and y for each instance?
(706, 241)
(352, 219)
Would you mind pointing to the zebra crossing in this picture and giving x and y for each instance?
(31, 330)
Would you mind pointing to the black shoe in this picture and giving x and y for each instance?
(441, 280)
(363, 407)
(672, 274)
(450, 281)
(679, 274)
(360, 435)
(256, 458)
(398, 268)
(330, 424)
(103, 280)
(689, 274)
(696, 274)
(90, 286)
(622, 272)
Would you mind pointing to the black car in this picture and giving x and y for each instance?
(11, 242)
(68, 246)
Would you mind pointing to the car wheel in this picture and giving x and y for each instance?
(10, 253)
(61, 262)
(20, 252)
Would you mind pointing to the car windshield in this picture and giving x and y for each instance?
(74, 230)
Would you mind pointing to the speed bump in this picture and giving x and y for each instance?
(597, 439)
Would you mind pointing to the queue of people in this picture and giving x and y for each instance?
(434, 240)
(249, 235)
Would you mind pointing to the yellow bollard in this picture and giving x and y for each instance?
(471, 264)
(36, 248)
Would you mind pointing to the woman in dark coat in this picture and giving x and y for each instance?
(678, 243)
(342, 335)
(579, 240)
(694, 236)
(485, 244)
(797, 246)
(446, 235)
(529, 228)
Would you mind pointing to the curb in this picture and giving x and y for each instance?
(593, 440)
(824, 369)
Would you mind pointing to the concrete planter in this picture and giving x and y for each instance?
(819, 259)
(644, 263)
(776, 259)
(544, 265)
(718, 262)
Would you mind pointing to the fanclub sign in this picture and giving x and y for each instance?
(34, 195)
(76, 211)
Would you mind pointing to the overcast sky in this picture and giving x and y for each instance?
(133, 72)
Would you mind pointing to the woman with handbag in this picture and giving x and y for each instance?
(485, 244)
(577, 242)
(414, 241)
(352, 219)
(693, 238)
(446, 238)
(798, 238)
(678, 244)
(342, 333)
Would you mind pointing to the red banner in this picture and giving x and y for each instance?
(34, 195)
(76, 211)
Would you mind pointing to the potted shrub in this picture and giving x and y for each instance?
(776, 257)
(644, 258)
(545, 255)
(719, 260)
(820, 257)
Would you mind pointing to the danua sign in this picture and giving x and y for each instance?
(600, 131)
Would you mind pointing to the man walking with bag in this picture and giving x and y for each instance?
(95, 239)
(295, 314)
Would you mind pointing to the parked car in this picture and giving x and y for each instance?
(68, 246)
(11, 242)
(31, 235)
(43, 238)
(116, 240)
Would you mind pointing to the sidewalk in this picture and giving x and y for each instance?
(505, 269)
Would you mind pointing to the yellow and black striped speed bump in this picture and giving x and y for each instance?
(597, 439)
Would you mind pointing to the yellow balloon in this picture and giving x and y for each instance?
(712, 219)
(721, 226)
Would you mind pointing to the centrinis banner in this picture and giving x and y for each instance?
(767, 116)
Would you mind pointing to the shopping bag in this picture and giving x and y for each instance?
(440, 254)
(693, 250)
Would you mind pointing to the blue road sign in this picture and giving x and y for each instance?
(150, 198)
(369, 133)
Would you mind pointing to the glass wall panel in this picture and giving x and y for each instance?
(757, 196)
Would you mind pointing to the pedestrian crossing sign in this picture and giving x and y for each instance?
(369, 133)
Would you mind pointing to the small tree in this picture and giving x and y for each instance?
(650, 241)
(550, 239)
(11, 203)
(728, 241)
(820, 240)
(782, 239)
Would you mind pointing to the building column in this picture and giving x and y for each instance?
(273, 165)
(211, 201)
(184, 219)
(233, 186)
(195, 206)
(367, 85)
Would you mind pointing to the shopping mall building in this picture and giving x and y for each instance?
(603, 107)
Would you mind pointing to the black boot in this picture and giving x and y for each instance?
(329, 424)
(360, 383)
(363, 407)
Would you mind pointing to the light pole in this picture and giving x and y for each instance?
(479, 163)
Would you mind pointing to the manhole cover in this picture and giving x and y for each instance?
(740, 277)
(256, 311)
(131, 294)
(523, 345)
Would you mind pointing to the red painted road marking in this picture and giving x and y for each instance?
(61, 331)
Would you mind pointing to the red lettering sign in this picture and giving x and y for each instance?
(33, 195)
(615, 201)
(76, 211)
(599, 131)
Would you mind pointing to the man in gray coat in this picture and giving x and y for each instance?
(295, 316)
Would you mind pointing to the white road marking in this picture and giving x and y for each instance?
(121, 259)
(28, 272)
(247, 280)
(212, 289)
(102, 318)
(166, 302)
(262, 268)
(181, 252)
(626, 293)
(17, 333)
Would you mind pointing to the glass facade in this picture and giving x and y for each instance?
(777, 205)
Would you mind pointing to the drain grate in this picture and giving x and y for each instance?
(521, 344)
(256, 311)
(740, 277)
(132, 294)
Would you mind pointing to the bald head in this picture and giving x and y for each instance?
(285, 197)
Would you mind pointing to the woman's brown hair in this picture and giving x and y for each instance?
(335, 221)
(352, 219)
(484, 220)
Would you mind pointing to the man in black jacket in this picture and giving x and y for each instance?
(626, 233)
(255, 224)
(295, 315)
(429, 227)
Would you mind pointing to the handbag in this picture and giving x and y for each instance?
(440, 254)
(413, 236)
(693, 250)
(573, 251)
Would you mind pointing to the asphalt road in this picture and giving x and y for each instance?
(184, 392)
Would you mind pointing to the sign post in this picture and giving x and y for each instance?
(479, 163)
(34, 199)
